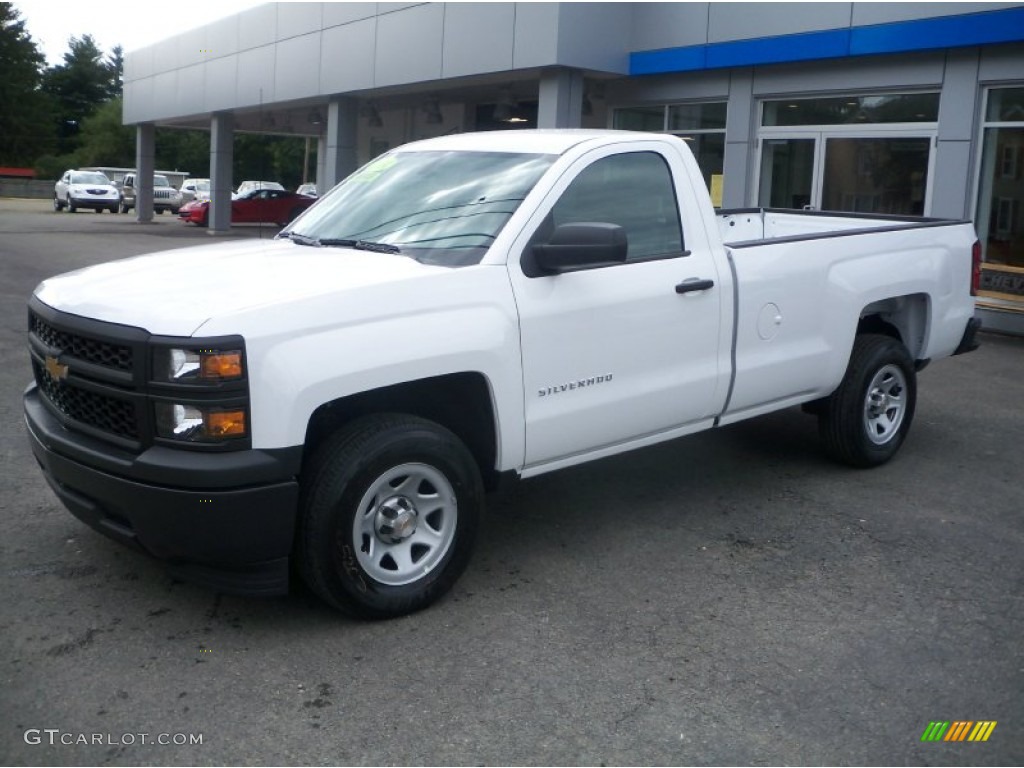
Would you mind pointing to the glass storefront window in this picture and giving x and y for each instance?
(639, 119)
(1005, 105)
(695, 117)
(1000, 213)
(700, 124)
(853, 110)
(876, 175)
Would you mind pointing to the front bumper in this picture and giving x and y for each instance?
(224, 520)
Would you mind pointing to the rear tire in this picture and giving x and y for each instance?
(865, 421)
(58, 206)
(124, 208)
(389, 512)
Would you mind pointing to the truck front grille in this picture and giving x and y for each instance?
(102, 412)
(93, 351)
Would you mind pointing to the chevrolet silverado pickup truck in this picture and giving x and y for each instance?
(458, 311)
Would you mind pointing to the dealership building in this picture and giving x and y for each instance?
(891, 108)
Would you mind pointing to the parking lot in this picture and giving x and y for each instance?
(728, 598)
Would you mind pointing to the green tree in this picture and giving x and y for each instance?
(26, 124)
(105, 140)
(78, 87)
(115, 72)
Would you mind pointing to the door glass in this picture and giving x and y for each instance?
(787, 173)
(876, 175)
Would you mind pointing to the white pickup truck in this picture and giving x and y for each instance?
(460, 310)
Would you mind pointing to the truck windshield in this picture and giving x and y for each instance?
(439, 207)
(161, 181)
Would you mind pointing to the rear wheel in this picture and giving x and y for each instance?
(124, 208)
(865, 421)
(390, 510)
(58, 206)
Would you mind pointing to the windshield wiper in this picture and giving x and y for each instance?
(337, 242)
(360, 245)
(298, 239)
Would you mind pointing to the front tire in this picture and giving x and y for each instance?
(71, 205)
(390, 509)
(865, 421)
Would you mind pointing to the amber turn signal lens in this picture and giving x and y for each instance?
(220, 365)
(225, 423)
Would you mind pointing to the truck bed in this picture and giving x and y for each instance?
(745, 227)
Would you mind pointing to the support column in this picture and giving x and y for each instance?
(953, 186)
(145, 151)
(222, 136)
(738, 166)
(321, 173)
(340, 152)
(560, 98)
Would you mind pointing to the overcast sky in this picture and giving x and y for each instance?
(130, 23)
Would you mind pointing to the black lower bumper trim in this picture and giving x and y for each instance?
(235, 539)
(969, 343)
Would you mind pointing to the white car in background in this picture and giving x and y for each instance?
(195, 189)
(248, 186)
(309, 190)
(85, 189)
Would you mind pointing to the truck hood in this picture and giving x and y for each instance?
(175, 292)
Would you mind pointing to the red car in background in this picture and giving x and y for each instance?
(270, 206)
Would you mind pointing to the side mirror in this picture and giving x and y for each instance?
(581, 245)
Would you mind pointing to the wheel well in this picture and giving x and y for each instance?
(461, 402)
(902, 317)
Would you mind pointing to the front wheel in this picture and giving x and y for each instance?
(865, 421)
(390, 510)
(70, 204)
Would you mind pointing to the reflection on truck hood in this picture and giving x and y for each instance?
(175, 292)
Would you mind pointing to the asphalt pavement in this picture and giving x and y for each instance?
(728, 598)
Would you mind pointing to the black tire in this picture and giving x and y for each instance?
(160, 211)
(112, 209)
(865, 421)
(70, 204)
(124, 208)
(58, 206)
(347, 533)
(98, 210)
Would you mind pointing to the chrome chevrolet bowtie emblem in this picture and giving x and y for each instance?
(55, 369)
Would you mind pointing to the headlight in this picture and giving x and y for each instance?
(199, 424)
(200, 366)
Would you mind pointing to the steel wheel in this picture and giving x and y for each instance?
(884, 404)
(405, 524)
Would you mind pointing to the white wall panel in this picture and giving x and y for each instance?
(222, 36)
(296, 66)
(257, 26)
(536, 35)
(409, 45)
(742, 21)
(343, 13)
(190, 95)
(221, 86)
(255, 74)
(478, 38)
(668, 25)
(295, 19)
(347, 56)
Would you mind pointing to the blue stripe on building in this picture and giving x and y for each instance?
(896, 37)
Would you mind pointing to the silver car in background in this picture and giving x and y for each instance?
(85, 189)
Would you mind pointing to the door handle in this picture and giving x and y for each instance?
(693, 284)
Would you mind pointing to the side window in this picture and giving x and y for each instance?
(633, 190)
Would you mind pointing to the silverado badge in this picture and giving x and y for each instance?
(57, 371)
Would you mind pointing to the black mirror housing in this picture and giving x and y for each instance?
(581, 245)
